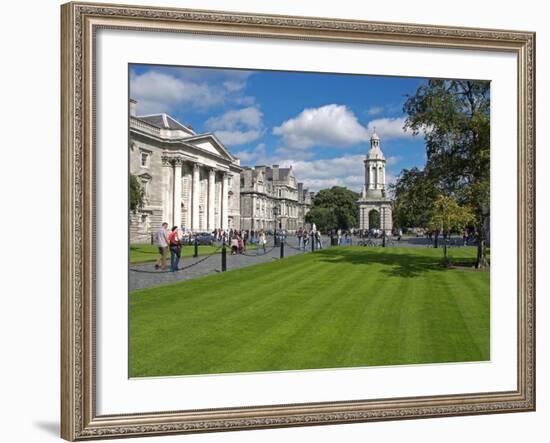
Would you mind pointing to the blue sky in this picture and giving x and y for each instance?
(318, 123)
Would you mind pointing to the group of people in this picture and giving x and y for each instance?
(172, 239)
(304, 237)
(168, 239)
(239, 240)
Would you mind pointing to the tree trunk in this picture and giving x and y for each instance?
(436, 238)
(481, 259)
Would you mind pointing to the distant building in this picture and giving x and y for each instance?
(190, 180)
(374, 205)
(271, 198)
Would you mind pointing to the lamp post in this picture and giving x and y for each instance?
(383, 227)
(275, 214)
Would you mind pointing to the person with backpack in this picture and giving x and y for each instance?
(175, 249)
(162, 244)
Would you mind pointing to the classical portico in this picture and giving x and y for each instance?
(374, 204)
(190, 180)
(195, 195)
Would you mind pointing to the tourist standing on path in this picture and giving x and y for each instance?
(263, 240)
(162, 243)
(299, 234)
(175, 249)
(318, 240)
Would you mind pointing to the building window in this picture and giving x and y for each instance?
(145, 187)
(144, 159)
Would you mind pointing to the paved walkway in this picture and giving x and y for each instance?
(145, 275)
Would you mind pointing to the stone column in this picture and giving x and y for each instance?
(225, 201)
(211, 199)
(371, 176)
(177, 193)
(167, 198)
(383, 176)
(196, 198)
(254, 214)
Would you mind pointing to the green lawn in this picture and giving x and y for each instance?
(343, 307)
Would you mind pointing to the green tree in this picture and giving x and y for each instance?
(448, 215)
(414, 195)
(137, 194)
(454, 116)
(334, 208)
(323, 218)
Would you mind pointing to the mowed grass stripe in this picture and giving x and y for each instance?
(305, 347)
(210, 306)
(341, 307)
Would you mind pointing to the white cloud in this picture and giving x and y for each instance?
(246, 156)
(233, 138)
(236, 118)
(237, 126)
(167, 90)
(158, 92)
(375, 110)
(388, 128)
(330, 125)
(234, 85)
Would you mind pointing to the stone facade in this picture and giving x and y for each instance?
(271, 199)
(373, 195)
(189, 180)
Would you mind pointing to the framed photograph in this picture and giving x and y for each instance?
(285, 221)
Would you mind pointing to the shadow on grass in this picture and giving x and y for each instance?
(141, 250)
(400, 264)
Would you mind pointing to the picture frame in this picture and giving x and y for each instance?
(80, 23)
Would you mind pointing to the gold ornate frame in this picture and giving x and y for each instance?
(80, 21)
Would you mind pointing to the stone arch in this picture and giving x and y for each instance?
(374, 219)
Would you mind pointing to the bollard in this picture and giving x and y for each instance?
(282, 248)
(196, 254)
(224, 257)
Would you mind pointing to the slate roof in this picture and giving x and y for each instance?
(164, 121)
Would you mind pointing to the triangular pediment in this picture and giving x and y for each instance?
(210, 143)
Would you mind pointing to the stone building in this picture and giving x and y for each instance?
(374, 205)
(271, 198)
(189, 180)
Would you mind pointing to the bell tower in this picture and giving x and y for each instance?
(375, 170)
(373, 195)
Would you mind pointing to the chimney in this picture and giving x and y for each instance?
(300, 192)
(275, 172)
(133, 104)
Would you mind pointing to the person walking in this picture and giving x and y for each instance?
(318, 240)
(263, 239)
(234, 245)
(162, 242)
(175, 249)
